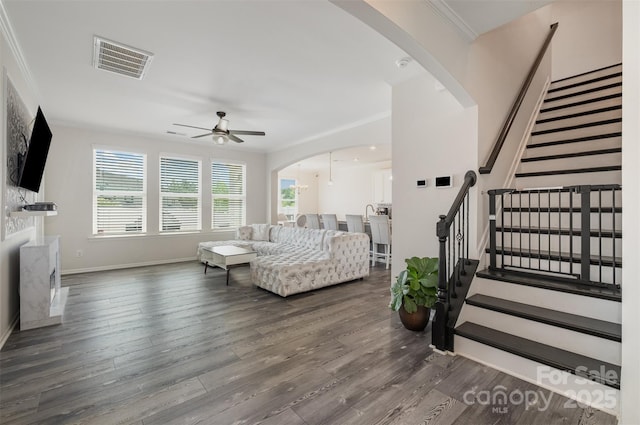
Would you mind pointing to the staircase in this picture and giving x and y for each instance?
(548, 306)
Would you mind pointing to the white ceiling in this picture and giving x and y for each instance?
(291, 69)
(294, 69)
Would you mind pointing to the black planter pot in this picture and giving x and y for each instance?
(415, 321)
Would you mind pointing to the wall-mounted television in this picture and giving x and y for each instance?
(32, 166)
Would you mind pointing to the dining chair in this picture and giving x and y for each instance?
(313, 221)
(330, 221)
(355, 223)
(380, 235)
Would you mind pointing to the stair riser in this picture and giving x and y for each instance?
(576, 342)
(589, 76)
(591, 161)
(594, 394)
(602, 274)
(586, 146)
(583, 87)
(587, 107)
(596, 308)
(583, 119)
(576, 133)
(580, 98)
(605, 177)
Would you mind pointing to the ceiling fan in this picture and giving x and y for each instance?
(221, 133)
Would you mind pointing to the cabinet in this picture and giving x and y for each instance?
(42, 299)
(382, 183)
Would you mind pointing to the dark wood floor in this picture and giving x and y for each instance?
(169, 345)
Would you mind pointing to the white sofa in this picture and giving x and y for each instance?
(293, 259)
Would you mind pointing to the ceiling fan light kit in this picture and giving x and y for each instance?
(221, 133)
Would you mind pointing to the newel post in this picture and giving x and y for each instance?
(439, 328)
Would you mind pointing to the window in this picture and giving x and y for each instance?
(179, 195)
(229, 195)
(119, 197)
(288, 199)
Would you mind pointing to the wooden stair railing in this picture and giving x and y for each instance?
(515, 107)
(452, 231)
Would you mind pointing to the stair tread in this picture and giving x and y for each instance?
(574, 140)
(572, 155)
(580, 103)
(614, 74)
(604, 260)
(570, 171)
(577, 126)
(579, 93)
(605, 233)
(579, 114)
(552, 283)
(542, 353)
(587, 325)
(544, 110)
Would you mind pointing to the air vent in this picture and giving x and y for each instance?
(124, 60)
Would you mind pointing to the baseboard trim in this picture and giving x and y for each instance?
(127, 266)
(7, 334)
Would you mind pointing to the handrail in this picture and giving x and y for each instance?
(506, 126)
(441, 338)
(470, 179)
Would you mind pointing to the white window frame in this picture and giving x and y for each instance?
(280, 198)
(242, 197)
(197, 195)
(97, 192)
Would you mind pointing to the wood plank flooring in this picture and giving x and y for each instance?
(170, 345)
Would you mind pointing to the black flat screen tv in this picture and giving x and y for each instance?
(34, 161)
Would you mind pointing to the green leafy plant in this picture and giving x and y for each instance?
(417, 285)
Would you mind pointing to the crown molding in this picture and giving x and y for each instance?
(448, 14)
(14, 46)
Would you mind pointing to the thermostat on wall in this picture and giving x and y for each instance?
(444, 181)
(421, 183)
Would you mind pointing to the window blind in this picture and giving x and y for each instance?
(228, 189)
(179, 194)
(119, 192)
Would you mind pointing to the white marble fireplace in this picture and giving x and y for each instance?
(42, 300)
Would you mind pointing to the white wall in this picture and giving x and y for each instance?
(10, 247)
(69, 185)
(499, 61)
(588, 29)
(433, 135)
(352, 189)
(630, 403)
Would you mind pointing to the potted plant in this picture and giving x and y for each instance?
(415, 292)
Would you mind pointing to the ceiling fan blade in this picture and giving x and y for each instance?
(235, 139)
(192, 126)
(249, 133)
(202, 135)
